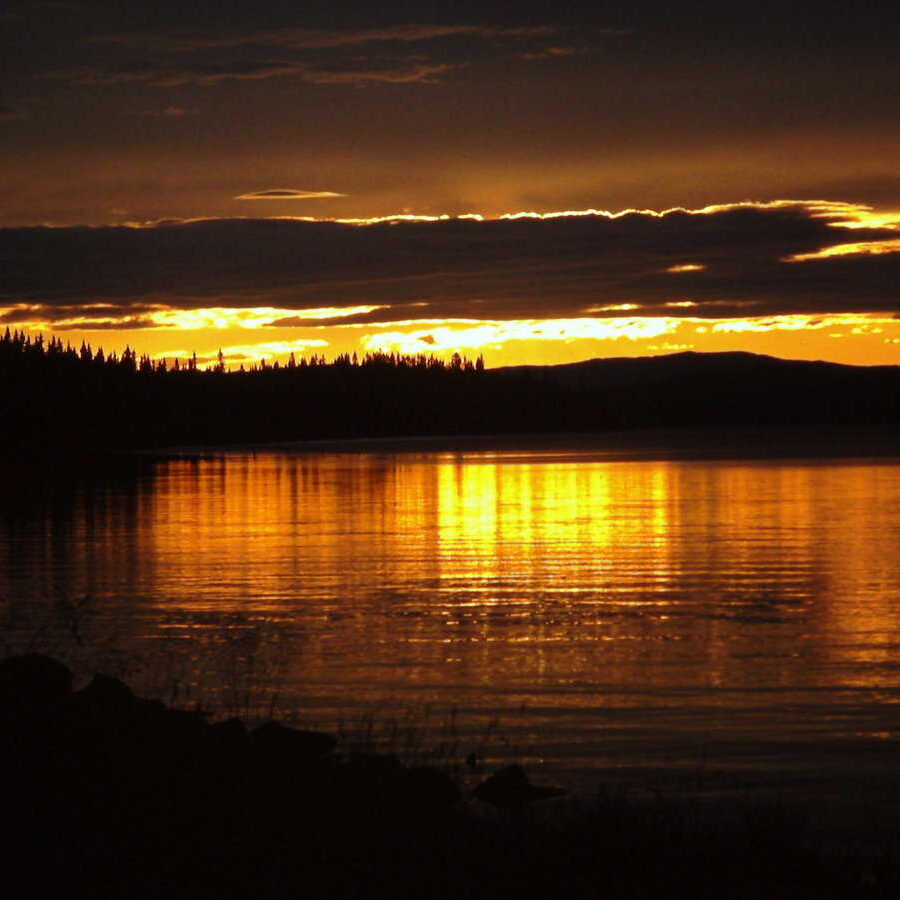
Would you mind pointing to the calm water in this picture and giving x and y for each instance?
(593, 609)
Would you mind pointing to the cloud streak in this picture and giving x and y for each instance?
(91, 316)
(396, 54)
(307, 38)
(288, 194)
(199, 73)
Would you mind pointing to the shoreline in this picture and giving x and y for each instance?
(657, 444)
(127, 797)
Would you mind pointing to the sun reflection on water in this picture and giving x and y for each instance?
(597, 603)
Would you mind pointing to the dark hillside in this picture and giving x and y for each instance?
(708, 389)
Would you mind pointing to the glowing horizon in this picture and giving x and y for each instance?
(543, 341)
(683, 317)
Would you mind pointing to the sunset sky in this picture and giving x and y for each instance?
(528, 181)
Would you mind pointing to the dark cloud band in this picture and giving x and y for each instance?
(728, 262)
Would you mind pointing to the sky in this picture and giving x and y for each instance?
(530, 182)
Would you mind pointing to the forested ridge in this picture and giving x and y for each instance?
(56, 399)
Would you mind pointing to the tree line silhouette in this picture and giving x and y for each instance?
(55, 399)
(17, 347)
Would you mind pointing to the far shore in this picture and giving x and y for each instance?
(708, 443)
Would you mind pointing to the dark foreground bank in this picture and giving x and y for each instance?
(108, 795)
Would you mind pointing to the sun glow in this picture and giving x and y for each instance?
(615, 323)
(239, 353)
(860, 322)
(613, 307)
(474, 335)
(685, 267)
(493, 333)
(253, 317)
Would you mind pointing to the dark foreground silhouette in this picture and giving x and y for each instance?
(56, 401)
(108, 795)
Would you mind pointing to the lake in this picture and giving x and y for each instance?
(723, 610)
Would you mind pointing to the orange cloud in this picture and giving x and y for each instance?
(92, 316)
(288, 194)
(870, 248)
(685, 267)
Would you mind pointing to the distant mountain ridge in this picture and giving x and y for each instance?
(716, 389)
(622, 370)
